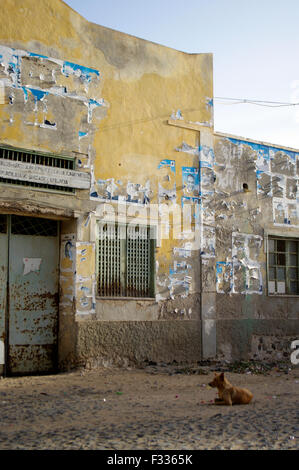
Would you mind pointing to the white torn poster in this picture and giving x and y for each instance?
(31, 265)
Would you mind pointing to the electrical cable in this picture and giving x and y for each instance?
(234, 101)
(265, 103)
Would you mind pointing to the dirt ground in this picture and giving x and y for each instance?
(158, 407)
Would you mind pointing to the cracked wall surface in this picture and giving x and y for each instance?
(137, 120)
(256, 196)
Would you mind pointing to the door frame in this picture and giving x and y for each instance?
(6, 369)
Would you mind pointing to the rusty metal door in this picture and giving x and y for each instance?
(33, 295)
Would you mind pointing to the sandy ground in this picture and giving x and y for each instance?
(158, 407)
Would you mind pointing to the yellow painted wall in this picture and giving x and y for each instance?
(141, 85)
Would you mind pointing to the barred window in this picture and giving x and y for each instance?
(283, 266)
(36, 158)
(126, 261)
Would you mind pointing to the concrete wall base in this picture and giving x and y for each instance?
(134, 343)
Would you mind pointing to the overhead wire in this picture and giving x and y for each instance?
(232, 101)
(265, 103)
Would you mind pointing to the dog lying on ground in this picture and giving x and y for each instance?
(229, 395)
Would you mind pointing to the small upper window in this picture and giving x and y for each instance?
(283, 266)
(16, 159)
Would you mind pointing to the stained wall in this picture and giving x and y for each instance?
(137, 118)
(256, 196)
(115, 104)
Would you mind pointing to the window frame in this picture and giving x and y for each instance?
(153, 244)
(286, 266)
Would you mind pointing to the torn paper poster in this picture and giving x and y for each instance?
(190, 178)
(31, 265)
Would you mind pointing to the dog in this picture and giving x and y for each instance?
(229, 395)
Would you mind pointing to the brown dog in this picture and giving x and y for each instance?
(229, 395)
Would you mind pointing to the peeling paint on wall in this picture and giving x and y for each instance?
(167, 190)
(207, 191)
(224, 277)
(191, 212)
(85, 278)
(67, 270)
(188, 149)
(115, 190)
(276, 178)
(247, 273)
(228, 190)
(180, 279)
(243, 274)
(50, 89)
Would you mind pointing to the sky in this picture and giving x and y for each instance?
(255, 47)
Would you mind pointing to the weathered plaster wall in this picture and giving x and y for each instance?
(106, 343)
(247, 317)
(244, 216)
(137, 118)
(48, 105)
(111, 101)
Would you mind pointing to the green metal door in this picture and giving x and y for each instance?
(32, 295)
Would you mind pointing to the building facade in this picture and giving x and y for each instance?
(130, 231)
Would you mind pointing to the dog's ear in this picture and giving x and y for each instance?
(221, 376)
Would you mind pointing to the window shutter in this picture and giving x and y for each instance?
(126, 261)
(138, 261)
(110, 278)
